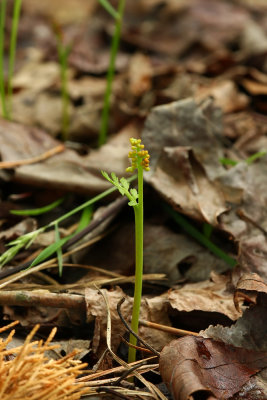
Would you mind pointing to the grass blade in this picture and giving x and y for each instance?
(48, 251)
(192, 231)
(12, 54)
(38, 211)
(59, 251)
(2, 77)
(108, 7)
(110, 75)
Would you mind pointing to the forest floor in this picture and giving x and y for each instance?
(191, 82)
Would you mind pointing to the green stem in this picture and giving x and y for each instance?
(63, 59)
(139, 234)
(86, 204)
(110, 75)
(12, 53)
(2, 77)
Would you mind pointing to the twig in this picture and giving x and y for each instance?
(131, 331)
(149, 385)
(112, 391)
(114, 370)
(29, 298)
(139, 348)
(165, 328)
(129, 371)
(33, 160)
(241, 213)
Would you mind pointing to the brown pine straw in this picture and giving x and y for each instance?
(27, 374)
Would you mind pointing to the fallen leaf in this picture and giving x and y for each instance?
(248, 287)
(177, 255)
(205, 296)
(74, 172)
(194, 365)
(249, 331)
(154, 309)
(181, 180)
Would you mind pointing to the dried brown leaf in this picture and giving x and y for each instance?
(194, 365)
(204, 296)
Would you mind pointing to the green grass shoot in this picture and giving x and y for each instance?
(86, 218)
(140, 161)
(12, 55)
(24, 241)
(249, 160)
(38, 211)
(197, 235)
(63, 54)
(109, 8)
(63, 51)
(111, 69)
(2, 44)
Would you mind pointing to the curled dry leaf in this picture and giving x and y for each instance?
(183, 182)
(248, 287)
(75, 173)
(204, 296)
(182, 174)
(249, 331)
(194, 365)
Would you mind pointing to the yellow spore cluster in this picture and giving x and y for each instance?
(138, 156)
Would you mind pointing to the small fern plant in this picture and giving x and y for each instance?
(139, 158)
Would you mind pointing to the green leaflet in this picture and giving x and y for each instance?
(123, 187)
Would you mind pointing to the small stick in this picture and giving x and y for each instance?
(165, 328)
(29, 298)
(131, 331)
(33, 160)
(247, 218)
(128, 372)
(112, 391)
(143, 349)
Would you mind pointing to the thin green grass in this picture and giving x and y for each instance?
(63, 54)
(2, 44)
(197, 235)
(26, 240)
(12, 55)
(111, 70)
(38, 211)
(251, 159)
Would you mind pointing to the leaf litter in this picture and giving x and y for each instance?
(191, 80)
